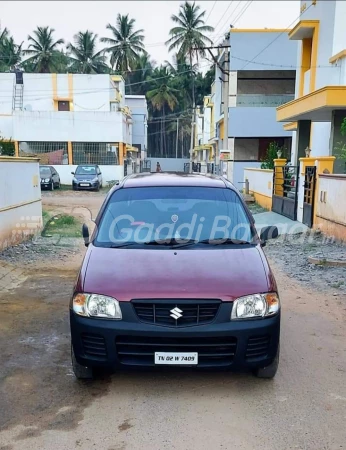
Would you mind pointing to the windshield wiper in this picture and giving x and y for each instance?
(121, 245)
(222, 241)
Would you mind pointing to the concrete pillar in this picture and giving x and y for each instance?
(16, 149)
(69, 153)
(279, 176)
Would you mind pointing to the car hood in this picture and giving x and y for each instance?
(191, 273)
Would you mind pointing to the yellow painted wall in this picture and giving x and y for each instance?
(262, 200)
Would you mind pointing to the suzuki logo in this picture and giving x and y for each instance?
(176, 313)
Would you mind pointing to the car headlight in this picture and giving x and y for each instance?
(94, 305)
(255, 306)
(46, 180)
(95, 179)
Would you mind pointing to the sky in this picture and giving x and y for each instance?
(69, 17)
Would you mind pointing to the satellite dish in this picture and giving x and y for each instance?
(28, 108)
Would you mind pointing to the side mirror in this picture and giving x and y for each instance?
(268, 233)
(72, 173)
(85, 233)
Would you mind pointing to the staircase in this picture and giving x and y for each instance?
(18, 91)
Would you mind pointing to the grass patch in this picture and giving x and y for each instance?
(63, 225)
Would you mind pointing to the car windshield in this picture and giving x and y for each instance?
(174, 216)
(86, 170)
(45, 171)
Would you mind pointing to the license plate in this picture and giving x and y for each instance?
(84, 184)
(189, 359)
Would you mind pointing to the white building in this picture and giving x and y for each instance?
(319, 107)
(320, 97)
(262, 74)
(69, 119)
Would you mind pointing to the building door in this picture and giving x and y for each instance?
(309, 196)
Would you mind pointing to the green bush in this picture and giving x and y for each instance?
(272, 153)
(6, 147)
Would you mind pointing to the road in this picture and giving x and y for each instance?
(42, 406)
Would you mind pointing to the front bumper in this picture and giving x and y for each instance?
(46, 185)
(90, 186)
(236, 345)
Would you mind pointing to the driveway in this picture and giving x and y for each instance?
(42, 406)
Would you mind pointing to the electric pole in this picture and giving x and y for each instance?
(225, 87)
(225, 106)
(177, 139)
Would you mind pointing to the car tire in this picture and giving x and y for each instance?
(74, 188)
(81, 372)
(51, 187)
(59, 185)
(269, 371)
(97, 188)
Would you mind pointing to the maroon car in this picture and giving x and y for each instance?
(175, 275)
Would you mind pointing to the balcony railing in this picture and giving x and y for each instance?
(260, 100)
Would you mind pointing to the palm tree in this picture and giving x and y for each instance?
(126, 46)
(84, 55)
(10, 53)
(161, 98)
(188, 35)
(43, 50)
(137, 79)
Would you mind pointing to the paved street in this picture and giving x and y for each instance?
(42, 406)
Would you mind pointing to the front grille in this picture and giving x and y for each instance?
(94, 345)
(187, 312)
(140, 350)
(257, 347)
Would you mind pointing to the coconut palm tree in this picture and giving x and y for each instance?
(10, 53)
(188, 36)
(137, 79)
(43, 50)
(84, 56)
(126, 45)
(163, 97)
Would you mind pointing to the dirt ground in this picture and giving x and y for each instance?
(42, 406)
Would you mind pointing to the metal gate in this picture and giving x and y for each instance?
(186, 167)
(285, 191)
(145, 165)
(309, 195)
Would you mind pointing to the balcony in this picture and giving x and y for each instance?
(261, 100)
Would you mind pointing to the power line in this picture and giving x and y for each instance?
(212, 8)
(277, 37)
(223, 15)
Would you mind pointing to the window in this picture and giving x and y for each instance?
(148, 213)
(63, 105)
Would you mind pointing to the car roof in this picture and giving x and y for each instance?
(147, 179)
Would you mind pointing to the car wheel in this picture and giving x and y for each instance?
(74, 188)
(269, 371)
(51, 187)
(97, 188)
(81, 372)
(59, 185)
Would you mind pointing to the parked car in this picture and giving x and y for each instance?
(87, 177)
(50, 178)
(175, 274)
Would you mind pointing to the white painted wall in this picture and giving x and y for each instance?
(67, 126)
(169, 164)
(320, 135)
(334, 206)
(20, 203)
(238, 172)
(339, 39)
(260, 180)
(109, 173)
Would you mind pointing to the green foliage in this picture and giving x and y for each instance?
(6, 147)
(83, 55)
(271, 154)
(340, 147)
(126, 45)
